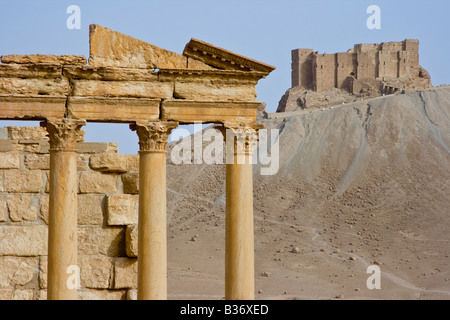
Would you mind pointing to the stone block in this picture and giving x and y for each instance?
(26, 294)
(96, 182)
(97, 147)
(43, 267)
(112, 162)
(122, 209)
(42, 295)
(22, 207)
(27, 133)
(6, 145)
(90, 209)
(132, 294)
(34, 146)
(93, 294)
(124, 89)
(35, 161)
(191, 111)
(17, 271)
(26, 107)
(125, 273)
(33, 86)
(43, 207)
(131, 241)
(82, 162)
(23, 181)
(44, 59)
(2, 210)
(130, 183)
(209, 90)
(10, 160)
(109, 48)
(96, 272)
(101, 241)
(119, 109)
(23, 240)
(6, 294)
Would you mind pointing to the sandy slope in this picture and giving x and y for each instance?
(359, 184)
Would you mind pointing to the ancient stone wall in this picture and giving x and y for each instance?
(107, 215)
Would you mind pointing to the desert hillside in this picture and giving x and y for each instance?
(358, 184)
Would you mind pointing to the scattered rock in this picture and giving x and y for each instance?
(296, 250)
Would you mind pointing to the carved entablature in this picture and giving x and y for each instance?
(153, 135)
(129, 80)
(64, 134)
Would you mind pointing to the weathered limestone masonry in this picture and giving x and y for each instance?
(389, 64)
(49, 179)
(107, 217)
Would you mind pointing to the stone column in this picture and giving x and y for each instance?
(62, 221)
(152, 224)
(239, 235)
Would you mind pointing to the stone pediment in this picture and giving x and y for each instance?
(222, 58)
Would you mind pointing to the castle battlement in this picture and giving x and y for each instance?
(372, 63)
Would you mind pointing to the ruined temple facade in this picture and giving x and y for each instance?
(374, 65)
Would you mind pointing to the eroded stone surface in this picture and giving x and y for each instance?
(113, 49)
(22, 207)
(131, 241)
(23, 240)
(119, 163)
(122, 209)
(96, 182)
(23, 181)
(10, 160)
(96, 272)
(125, 273)
(101, 241)
(44, 58)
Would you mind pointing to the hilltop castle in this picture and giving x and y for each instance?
(392, 65)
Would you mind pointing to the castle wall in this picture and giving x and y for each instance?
(387, 64)
(302, 68)
(365, 62)
(367, 65)
(412, 46)
(346, 66)
(403, 64)
(325, 72)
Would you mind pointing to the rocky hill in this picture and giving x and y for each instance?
(360, 184)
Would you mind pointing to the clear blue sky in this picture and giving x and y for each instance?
(260, 29)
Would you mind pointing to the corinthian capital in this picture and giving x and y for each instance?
(64, 134)
(153, 135)
(241, 137)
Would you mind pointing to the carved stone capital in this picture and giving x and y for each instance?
(64, 134)
(153, 135)
(241, 137)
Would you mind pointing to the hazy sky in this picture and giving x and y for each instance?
(260, 29)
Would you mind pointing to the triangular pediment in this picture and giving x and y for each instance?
(223, 59)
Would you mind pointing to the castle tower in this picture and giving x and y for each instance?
(302, 67)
